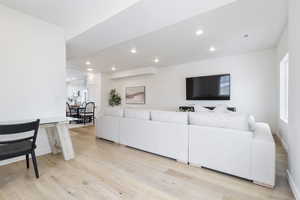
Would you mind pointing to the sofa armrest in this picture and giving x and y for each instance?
(263, 155)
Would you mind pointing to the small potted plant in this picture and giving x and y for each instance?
(114, 98)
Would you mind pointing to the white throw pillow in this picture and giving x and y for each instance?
(221, 108)
(114, 111)
(203, 119)
(229, 120)
(169, 116)
(137, 114)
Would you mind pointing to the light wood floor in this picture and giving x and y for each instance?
(103, 170)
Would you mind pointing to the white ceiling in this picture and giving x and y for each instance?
(144, 17)
(104, 31)
(74, 16)
(73, 74)
(223, 28)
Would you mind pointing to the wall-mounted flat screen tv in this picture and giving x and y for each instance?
(216, 87)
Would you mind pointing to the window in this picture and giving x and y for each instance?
(284, 88)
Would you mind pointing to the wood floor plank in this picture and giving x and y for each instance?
(104, 170)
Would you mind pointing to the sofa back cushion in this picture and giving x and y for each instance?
(169, 116)
(232, 120)
(114, 111)
(137, 114)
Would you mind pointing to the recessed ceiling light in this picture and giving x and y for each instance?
(87, 62)
(212, 49)
(90, 69)
(133, 50)
(156, 60)
(113, 68)
(199, 32)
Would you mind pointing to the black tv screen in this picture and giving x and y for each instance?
(215, 87)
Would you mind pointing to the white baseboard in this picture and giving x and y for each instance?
(295, 190)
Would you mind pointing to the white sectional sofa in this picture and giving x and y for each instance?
(108, 124)
(227, 142)
(166, 134)
(234, 144)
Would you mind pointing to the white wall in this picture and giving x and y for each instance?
(253, 76)
(94, 88)
(32, 71)
(294, 96)
(32, 67)
(282, 50)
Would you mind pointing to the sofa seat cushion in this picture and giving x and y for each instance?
(232, 120)
(169, 116)
(114, 111)
(137, 114)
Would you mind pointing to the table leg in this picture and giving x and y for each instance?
(65, 141)
(53, 139)
(60, 140)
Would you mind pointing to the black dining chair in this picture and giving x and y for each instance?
(69, 111)
(88, 113)
(23, 146)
